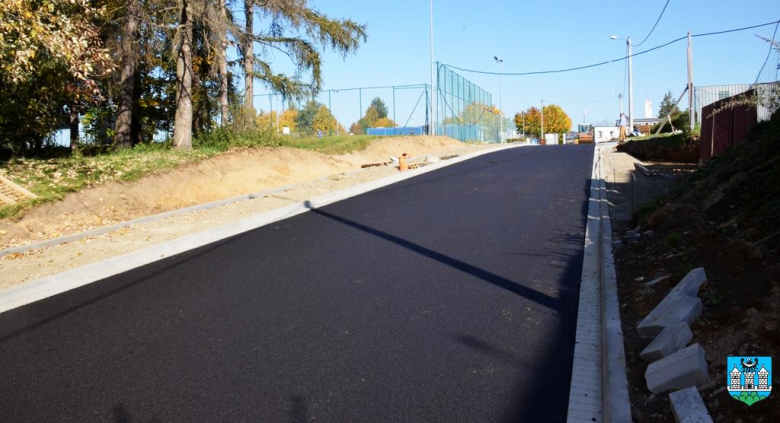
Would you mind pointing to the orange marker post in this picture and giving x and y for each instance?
(402, 163)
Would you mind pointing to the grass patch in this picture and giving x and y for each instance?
(713, 297)
(340, 144)
(677, 138)
(645, 210)
(51, 179)
(673, 240)
(652, 136)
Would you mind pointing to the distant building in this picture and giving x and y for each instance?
(643, 125)
(605, 133)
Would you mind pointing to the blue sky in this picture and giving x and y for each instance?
(543, 35)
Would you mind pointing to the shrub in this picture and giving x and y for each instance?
(220, 139)
(680, 121)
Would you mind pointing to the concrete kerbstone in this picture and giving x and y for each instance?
(685, 368)
(691, 283)
(670, 340)
(673, 309)
(688, 407)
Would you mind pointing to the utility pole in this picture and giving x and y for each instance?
(500, 100)
(524, 120)
(432, 123)
(541, 128)
(691, 110)
(630, 88)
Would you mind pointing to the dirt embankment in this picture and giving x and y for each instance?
(676, 148)
(725, 218)
(223, 176)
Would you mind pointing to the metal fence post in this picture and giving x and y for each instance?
(394, 104)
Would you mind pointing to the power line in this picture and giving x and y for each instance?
(706, 34)
(656, 24)
(607, 61)
(569, 69)
(769, 53)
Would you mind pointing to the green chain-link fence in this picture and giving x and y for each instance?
(464, 110)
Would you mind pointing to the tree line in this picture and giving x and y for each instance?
(129, 69)
(314, 118)
(556, 121)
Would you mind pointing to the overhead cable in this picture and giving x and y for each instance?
(608, 61)
(769, 53)
(656, 24)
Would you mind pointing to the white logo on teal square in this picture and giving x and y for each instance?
(749, 379)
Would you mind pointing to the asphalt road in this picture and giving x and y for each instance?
(451, 297)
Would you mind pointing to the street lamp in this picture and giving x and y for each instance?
(541, 126)
(500, 102)
(630, 83)
(434, 106)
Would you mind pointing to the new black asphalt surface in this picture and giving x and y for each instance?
(448, 297)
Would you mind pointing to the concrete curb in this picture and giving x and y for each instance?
(43, 288)
(617, 404)
(141, 220)
(599, 386)
(585, 395)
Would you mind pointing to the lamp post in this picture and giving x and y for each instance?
(541, 128)
(524, 120)
(500, 102)
(434, 107)
(630, 82)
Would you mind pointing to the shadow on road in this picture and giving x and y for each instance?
(45, 313)
(499, 281)
(548, 400)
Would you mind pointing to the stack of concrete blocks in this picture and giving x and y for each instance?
(673, 366)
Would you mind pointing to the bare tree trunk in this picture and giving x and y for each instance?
(223, 81)
(123, 133)
(182, 131)
(136, 127)
(249, 63)
(74, 125)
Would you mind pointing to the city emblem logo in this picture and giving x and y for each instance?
(749, 378)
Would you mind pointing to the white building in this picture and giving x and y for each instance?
(551, 139)
(605, 133)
